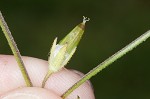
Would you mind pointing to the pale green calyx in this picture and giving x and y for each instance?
(62, 52)
(59, 56)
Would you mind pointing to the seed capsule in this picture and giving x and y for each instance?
(62, 52)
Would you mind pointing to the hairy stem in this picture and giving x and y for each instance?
(14, 49)
(108, 61)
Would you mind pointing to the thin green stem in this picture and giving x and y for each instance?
(46, 78)
(107, 62)
(14, 49)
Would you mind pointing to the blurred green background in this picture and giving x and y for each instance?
(114, 24)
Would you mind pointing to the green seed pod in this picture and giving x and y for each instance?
(62, 52)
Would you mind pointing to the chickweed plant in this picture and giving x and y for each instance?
(61, 53)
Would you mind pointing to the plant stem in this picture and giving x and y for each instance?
(107, 62)
(46, 78)
(14, 49)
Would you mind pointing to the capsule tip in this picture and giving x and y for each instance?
(85, 19)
